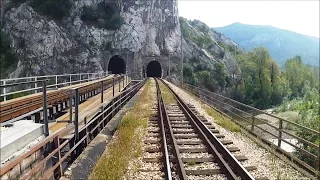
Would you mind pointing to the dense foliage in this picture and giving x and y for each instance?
(105, 15)
(296, 87)
(8, 58)
(55, 9)
(261, 84)
(200, 74)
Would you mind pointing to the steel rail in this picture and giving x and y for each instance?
(162, 113)
(181, 171)
(230, 166)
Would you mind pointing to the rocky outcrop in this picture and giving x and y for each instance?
(45, 47)
(150, 31)
(208, 46)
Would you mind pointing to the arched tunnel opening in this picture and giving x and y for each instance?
(154, 69)
(117, 65)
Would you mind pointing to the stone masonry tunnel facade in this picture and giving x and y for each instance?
(138, 66)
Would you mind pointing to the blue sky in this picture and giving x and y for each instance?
(298, 16)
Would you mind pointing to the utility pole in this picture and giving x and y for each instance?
(181, 59)
(169, 64)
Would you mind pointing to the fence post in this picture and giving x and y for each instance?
(4, 92)
(280, 133)
(35, 85)
(123, 81)
(80, 78)
(70, 79)
(252, 125)
(56, 81)
(112, 87)
(119, 84)
(44, 104)
(101, 92)
(70, 106)
(76, 115)
(57, 145)
(85, 124)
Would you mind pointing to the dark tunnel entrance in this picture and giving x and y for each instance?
(117, 65)
(154, 69)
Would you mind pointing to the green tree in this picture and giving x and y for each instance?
(260, 76)
(297, 74)
(309, 117)
(220, 74)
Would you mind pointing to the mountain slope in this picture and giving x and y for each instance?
(282, 44)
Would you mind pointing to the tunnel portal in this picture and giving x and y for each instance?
(117, 65)
(154, 69)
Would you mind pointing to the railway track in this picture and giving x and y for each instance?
(184, 145)
(17, 107)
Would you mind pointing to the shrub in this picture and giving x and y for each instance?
(55, 9)
(14, 4)
(105, 15)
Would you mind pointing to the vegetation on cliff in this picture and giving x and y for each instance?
(104, 15)
(55, 9)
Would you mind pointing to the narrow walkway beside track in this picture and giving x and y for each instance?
(87, 109)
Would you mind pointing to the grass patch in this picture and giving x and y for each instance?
(220, 119)
(113, 164)
(191, 163)
(167, 95)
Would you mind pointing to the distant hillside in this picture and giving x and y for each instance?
(282, 44)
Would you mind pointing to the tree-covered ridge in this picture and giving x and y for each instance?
(282, 44)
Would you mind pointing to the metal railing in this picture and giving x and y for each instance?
(273, 130)
(54, 81)
(57, 150)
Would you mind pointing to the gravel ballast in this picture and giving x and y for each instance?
(268, 165)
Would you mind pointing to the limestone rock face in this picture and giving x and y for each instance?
(150, 31)
(150, 28)
(43, 46)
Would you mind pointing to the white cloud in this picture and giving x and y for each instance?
(298, 16)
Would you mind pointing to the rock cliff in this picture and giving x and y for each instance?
(148, 30)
